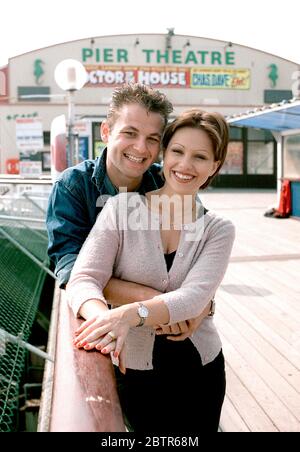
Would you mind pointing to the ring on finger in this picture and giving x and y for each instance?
(112, 335)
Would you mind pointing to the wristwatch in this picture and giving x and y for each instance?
(143, 313)
(212, 307)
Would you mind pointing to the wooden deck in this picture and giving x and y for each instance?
(258, 315)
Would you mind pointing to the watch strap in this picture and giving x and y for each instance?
(212, 308)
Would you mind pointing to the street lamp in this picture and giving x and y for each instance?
(71, 76)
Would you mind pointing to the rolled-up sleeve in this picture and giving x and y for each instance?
(204, 278)
(94, 265)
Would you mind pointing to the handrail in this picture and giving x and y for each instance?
(26, 196)
(15, 218)
(16, 179)
(84, 394)
(47, 389)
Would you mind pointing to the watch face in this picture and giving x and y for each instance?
(143, 311)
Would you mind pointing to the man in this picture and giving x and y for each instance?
(132, 131)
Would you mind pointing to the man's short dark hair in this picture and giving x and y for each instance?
(151, 99)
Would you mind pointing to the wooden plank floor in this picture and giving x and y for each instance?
(258, 315)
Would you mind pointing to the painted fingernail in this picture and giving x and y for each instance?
(81, 344)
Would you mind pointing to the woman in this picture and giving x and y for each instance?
(167, 241)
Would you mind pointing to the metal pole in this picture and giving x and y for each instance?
(71, 137)
(5, 336)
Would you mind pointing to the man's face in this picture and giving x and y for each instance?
(133, 143)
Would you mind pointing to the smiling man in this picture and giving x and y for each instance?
(133, 142)
(132, 132)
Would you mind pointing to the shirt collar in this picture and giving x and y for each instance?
(109, 187)
(99, 172)
(102, 181)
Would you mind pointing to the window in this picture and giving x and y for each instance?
(46, 161)
(98, 144)
(292, 156)
(260, 135)
(260, 156)
(235, 133)
(234, 159)
(46, 138)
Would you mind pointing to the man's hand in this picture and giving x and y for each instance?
(182, 330)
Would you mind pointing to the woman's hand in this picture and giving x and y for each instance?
(106, 332)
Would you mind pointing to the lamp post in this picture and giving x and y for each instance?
(71, 76)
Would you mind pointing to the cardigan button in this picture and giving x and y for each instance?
(180, 254)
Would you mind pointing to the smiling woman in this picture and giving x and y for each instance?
(186, 164)
(199, 141)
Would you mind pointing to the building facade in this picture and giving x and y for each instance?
(193, 72)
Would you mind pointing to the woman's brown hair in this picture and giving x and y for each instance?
(214, 124)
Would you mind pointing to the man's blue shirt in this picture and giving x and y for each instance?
(76, 199)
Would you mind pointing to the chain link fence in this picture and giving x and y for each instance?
(23, 268)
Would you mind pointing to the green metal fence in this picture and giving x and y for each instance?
(23, 268)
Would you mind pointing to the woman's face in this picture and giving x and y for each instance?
(188, 161)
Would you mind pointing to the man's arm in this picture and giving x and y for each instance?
(68, 226)
(118, 292)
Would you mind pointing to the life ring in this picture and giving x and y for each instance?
(13, 166)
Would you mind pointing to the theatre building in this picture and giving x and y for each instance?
(193, 72)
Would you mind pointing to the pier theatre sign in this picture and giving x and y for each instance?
(200, 69)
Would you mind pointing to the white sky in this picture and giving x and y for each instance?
(268, 25)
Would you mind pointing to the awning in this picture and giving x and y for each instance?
(279, 117)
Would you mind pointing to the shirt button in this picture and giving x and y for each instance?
(180, 255)
(165, 281)
(185, 227)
